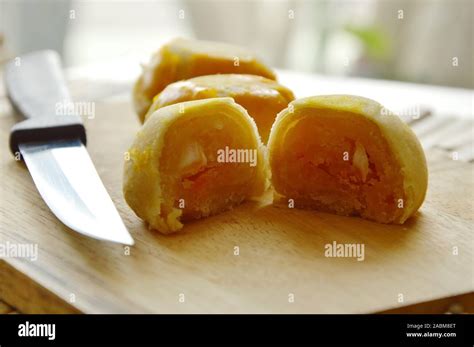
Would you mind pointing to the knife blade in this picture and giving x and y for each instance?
(53, 148)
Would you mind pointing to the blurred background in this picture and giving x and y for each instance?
(424, 41)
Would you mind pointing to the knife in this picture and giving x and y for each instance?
(52, 144)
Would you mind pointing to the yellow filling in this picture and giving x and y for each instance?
(338, 162)
(193, 179)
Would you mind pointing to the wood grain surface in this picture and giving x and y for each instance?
(281, 250)
(6, 309)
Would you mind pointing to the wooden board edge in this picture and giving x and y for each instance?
(32, 298)
(5, 308)
(463, 303)
(27, 296)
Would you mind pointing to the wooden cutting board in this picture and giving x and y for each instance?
(281, 266)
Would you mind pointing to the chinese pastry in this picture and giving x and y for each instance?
(261, 97)
(182, 59)
(192, 160)
(342, 154)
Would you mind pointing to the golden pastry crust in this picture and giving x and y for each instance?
(261, 97)
(175, 173)
(182, 59)
(385, 177)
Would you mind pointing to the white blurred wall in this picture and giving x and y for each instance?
(303, 35)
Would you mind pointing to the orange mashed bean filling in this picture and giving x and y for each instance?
(339, 163)
(191, 173)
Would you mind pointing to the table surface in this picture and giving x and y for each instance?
(445, 127)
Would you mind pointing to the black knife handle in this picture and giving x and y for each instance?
(36, 88)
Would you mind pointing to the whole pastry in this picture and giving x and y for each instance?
(343, 154)
(182, 59)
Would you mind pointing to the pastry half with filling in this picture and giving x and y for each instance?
(192, 160)
(263, 98)
(182, 59)
(343, 154)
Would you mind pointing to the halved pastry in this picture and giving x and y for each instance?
(192, 160)
(261, 97)
(182, 59)
(341, 154)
